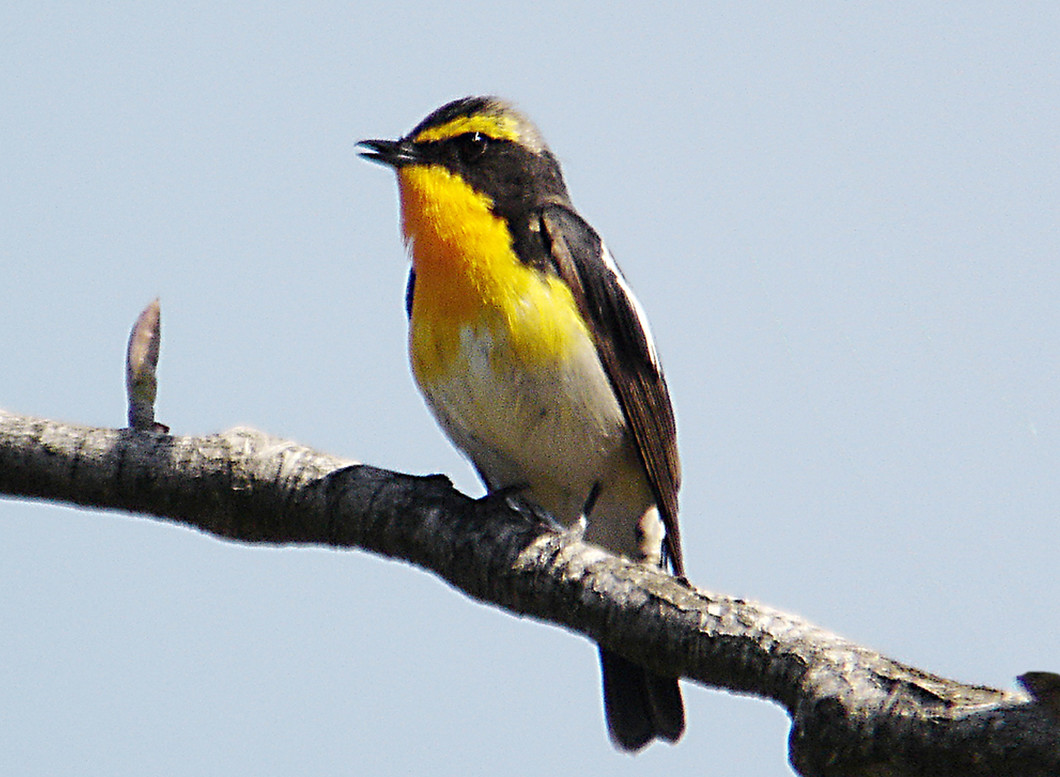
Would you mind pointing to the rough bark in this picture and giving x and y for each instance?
(853, 711)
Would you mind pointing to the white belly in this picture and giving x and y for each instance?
(556, 427)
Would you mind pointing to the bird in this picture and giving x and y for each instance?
(536, 359)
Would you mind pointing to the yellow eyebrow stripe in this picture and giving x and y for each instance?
(499, 127)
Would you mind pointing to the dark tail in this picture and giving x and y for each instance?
(640, 706)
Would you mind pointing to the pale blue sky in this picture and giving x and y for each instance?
(841, 221)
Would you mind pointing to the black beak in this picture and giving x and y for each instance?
(392, 153)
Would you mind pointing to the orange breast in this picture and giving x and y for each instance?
(469, 278)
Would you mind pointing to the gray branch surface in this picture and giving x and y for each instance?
(854, 712)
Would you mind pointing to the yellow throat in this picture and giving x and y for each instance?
(469, 281)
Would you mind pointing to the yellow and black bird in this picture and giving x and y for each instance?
(535, 357)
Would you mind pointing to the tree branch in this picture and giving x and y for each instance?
(853, 711)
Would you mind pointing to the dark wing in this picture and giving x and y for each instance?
(624, 345)
(410, 289)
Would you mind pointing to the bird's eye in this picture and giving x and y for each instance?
(472, 146)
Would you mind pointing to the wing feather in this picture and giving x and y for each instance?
(624, 345)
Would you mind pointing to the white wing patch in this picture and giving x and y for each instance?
(642, 318)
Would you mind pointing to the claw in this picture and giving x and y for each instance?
(509, 495)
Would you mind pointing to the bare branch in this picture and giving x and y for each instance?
(854, 711)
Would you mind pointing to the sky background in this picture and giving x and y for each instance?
(842, 222)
